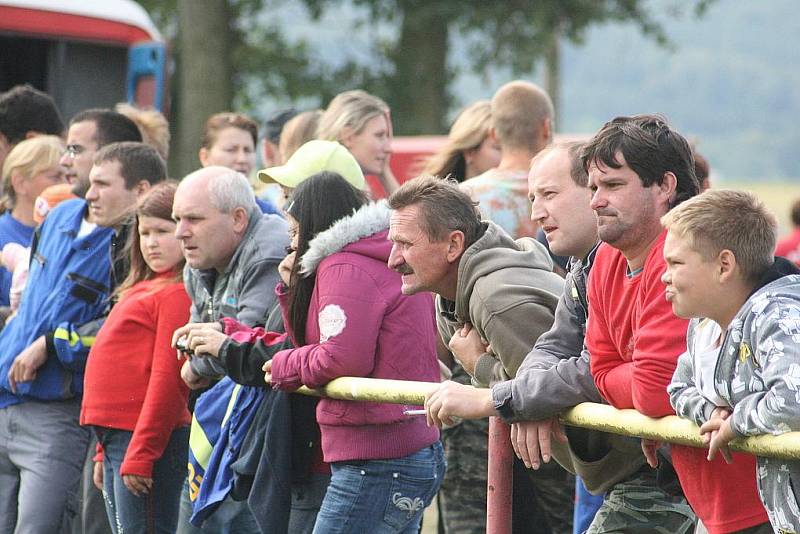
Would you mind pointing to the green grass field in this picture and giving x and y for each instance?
(778, 196)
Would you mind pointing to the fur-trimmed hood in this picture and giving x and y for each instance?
(370, 219)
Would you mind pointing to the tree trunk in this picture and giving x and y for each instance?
(418, 89)
(204, 76)
(552, 71)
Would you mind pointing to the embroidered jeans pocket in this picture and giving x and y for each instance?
(412, 487)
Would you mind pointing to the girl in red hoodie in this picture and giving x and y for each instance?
(133, 393)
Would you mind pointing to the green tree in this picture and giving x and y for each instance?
(412, 72)
(513, 33)
(222, 54)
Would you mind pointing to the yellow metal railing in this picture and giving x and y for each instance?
(587, 415)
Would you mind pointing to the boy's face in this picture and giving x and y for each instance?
(692, 283)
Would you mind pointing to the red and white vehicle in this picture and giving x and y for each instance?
(85, 53)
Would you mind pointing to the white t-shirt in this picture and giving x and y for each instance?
(86, 228)
(705, 351)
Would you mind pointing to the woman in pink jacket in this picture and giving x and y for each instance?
(344, 310)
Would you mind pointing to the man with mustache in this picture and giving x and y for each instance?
(491, 289)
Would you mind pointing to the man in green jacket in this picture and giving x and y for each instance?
(492, 290)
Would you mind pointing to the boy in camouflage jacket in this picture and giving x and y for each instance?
(741, 373)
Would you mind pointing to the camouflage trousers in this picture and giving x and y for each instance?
(638, 505)
(763, 528)
(543, 499)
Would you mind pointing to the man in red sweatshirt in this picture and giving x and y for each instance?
(639, 168)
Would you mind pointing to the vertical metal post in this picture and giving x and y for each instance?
(501, 463)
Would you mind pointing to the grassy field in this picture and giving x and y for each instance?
(778, 196)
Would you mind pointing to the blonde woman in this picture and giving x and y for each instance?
(362, 123)
(297, 132)
(469, 150)
(29, 169)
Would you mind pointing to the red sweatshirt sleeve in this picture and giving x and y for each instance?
(230, 326)
(611, 372)
(348, 310)
(633, 337)
(659, 340)
(165, 402)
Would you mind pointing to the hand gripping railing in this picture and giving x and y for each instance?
(670, 429)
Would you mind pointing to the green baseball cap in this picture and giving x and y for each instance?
(314, 157)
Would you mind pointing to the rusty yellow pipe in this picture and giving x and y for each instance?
(374, 390)
(674, 430)
(587, 415)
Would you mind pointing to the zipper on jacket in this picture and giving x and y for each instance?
(88, 282)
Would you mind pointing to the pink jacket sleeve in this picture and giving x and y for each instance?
(345, 315)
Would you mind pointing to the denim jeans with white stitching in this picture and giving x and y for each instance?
(156, 511)
(381, 496)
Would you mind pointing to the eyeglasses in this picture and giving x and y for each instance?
(74, 150)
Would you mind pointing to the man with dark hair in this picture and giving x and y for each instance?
(89, 131)
(120, 174)
(43, 351)
(639, 168)
(491, 290)
(24, 112)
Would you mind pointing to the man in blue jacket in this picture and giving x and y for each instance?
(43, 349)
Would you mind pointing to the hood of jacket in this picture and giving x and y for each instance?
(267, 233)
(493, 251)
(782, 280)
(363, 232)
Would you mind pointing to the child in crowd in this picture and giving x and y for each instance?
(134, 396)
(15, 257)
(741, 373)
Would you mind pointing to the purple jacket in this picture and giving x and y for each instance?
(359, 324)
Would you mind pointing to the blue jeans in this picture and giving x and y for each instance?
(231, 517)
(381, 496)
(586, 506)
(158, 510)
